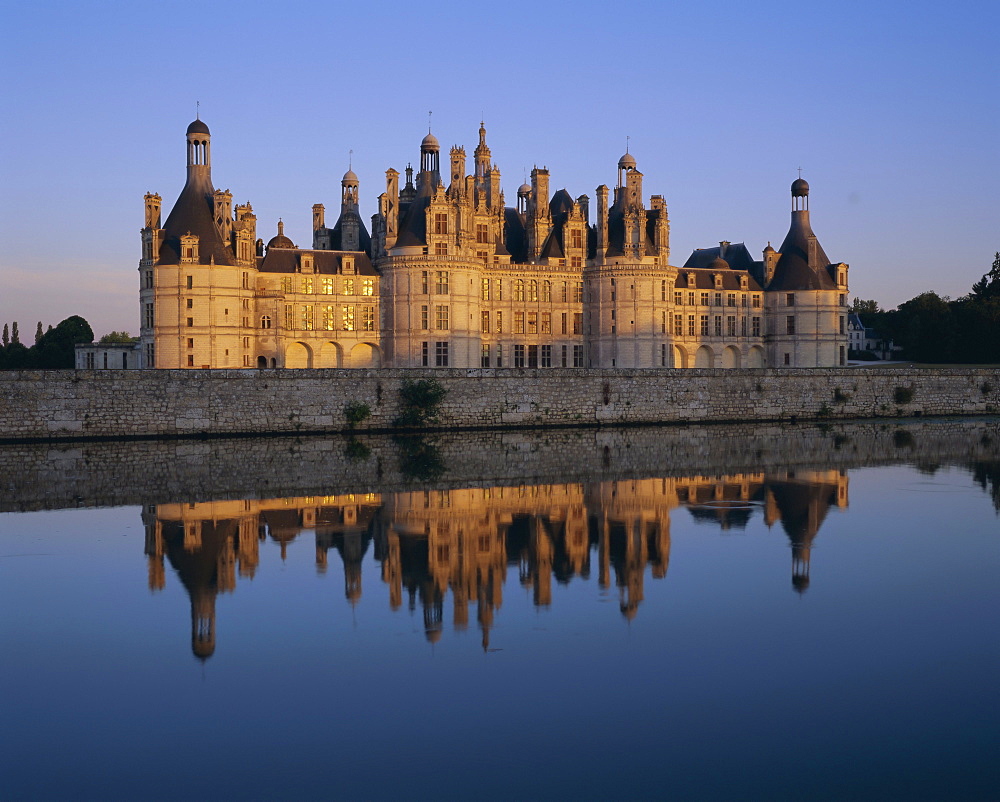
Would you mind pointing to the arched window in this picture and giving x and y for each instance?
(265, 321)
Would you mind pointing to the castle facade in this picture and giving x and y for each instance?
(450, 276)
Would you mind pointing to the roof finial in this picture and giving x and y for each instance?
(350, 159)
(197, 109)
(800, 172)
(429, 121)
(627, 138)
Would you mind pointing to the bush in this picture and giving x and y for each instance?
(903, 395)
(356, 412)
(419, 402)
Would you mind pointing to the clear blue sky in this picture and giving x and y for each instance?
(890, 108)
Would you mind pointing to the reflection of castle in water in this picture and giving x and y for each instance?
(430, 542)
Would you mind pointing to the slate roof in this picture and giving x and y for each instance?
(336, 233)
(704, 279)
(286, 260)
(515, 236)
(192, 213)
(793, 271)
(737, 256)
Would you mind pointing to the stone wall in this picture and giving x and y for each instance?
(43, 475)
(170, 403)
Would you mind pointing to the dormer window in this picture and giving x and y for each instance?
(347, 265)
(718, 281)
(307, 263)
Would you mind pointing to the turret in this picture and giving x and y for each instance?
(199, 152)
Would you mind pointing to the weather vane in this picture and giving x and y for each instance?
(800, 172)
(350, 159)
(429, 121)
(627, 138)
(197, 109)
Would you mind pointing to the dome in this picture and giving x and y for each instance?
(349, 178)
(524, 189)
(626, 162)
(280, 241)
(198, 127)
(430, 142)
(800, 188)
(718, 263)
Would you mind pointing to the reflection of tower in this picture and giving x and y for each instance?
(801, 503)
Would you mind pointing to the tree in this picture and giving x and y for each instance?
(925, 327)
(57, 347)
(989, 285)
(38, 333)
(6, 336)
(15, 336)
(116, 337)
(860, 307)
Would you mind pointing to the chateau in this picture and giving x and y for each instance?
(450, 276)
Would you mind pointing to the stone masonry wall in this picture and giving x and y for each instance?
(170, 403)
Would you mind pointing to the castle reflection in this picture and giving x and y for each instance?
(465, 541)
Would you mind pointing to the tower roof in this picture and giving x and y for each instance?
(794, 270)
(800, 188)
(198, 127)
(349, 178)
(430, 143)
(626, 162)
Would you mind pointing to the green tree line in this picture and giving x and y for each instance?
(54, 348)
(931, 328)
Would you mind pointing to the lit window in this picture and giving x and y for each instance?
(347, 318)
(441, 318)
(265, 321)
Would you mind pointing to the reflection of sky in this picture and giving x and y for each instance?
(878, 681)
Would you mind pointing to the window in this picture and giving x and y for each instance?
(289, 315)
(518, 356)
(368, 320)
(424, 354)
(718, 299)
(718, 325)
(532, 323)
(190, 342)
(499, 290)
(307, 318)
(533, 291)
(499, 323)
(347, 318)
(576, 238)
(743, 299)
(441, 318)
(348, 286)
(482, 232)
(663, 356)
(518, 289)
(678, 325)
(756, 301)
(843, 360)
(690, 325)
(190, 360)
(790, 299)
(329, 317)
(690, 299)
(485, 325)
(704, 299)
(731, 299)
(90, 361)
(743, 327)
(440, 248)
(577, 356)
(425, 318)
(788, 359)
(190, 282)
(565, 291)
(563, 361)
(578, 322)
(441, 355)
(519, 322)
(326, 286)
(704, 325)
(150, 355)
(663, 290)
(440, 223)
(564, 328)
(424, 282)
(546, 323)
(790, 324)
(486, 356)
(843, 324)
(578, 292)
(190, 322)
(678, 298)
(307, 285)
(485, 293)
(368, 287)
(442, 282)
(149, 279)
(148, 316)
(546, 292)
(286, 283)
(574, 261)
(499, 356)
(730, 325)
(546, 356)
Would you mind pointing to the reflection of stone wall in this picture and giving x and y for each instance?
(49, 476)
(164, 402)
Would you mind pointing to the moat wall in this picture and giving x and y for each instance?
(170, 403)
(58, 404)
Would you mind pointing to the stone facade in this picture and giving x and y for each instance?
(50, 404)
(451, 277)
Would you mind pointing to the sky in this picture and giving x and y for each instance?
(891, 109)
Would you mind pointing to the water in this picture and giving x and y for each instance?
(811, 613)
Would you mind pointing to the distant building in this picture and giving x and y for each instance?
(108, 356)
(450, 276)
